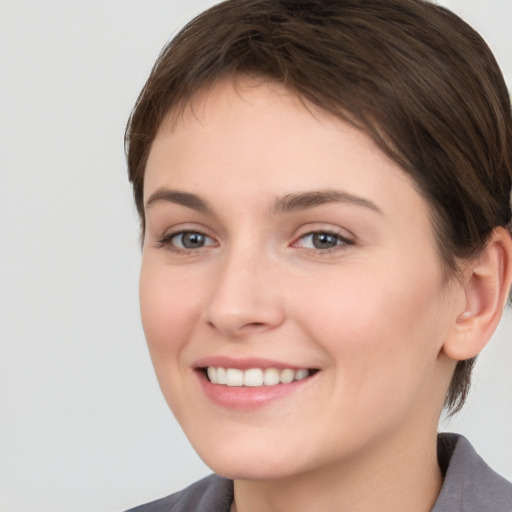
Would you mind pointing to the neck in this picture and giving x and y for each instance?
(401, 475)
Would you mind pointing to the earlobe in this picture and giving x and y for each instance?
(487, 282)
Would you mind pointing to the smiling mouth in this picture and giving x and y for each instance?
(255, 377)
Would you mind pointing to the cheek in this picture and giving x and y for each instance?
(168, 312)
(377, 328)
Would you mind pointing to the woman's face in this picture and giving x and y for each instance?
(281, 244)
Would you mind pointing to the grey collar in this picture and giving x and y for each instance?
(470, 485)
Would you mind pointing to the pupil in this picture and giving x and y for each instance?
(192, 240)
(324, 240)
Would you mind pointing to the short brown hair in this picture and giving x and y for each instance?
(414, 76)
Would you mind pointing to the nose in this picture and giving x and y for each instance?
(245, 297)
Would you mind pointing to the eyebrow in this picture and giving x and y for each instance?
(306, 200)
(177, 197)
(286, 204)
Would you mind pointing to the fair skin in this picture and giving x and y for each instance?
(278, 236)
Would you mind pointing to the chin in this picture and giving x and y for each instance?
(253, 457)
(253, 470)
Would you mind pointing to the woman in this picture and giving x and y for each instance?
(324, 193)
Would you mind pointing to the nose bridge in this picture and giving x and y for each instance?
(244, 297)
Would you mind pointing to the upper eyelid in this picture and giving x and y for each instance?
(184, 227)
(300, 232)
(171, 234)
(343, 233)
(344, 239)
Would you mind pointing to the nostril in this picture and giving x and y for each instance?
(253, 327)
(250, 326)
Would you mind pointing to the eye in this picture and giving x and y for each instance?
(322, 240)
(187, 240)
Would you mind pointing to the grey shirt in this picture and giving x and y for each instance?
(470, 485)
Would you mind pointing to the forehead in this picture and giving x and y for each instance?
(258, 93)
(241, 106)
(246, 130)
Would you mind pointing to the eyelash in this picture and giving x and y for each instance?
(341, 242)
(166, 241)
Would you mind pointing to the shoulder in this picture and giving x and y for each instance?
(470, 485)
(211, 494)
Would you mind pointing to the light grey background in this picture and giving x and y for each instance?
(83, 426)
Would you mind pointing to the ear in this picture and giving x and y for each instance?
(487, 281)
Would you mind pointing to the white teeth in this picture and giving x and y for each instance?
(271, 377)
(212, 373)
(234, 377)
(301, 374)
(286, 376)
(254, 377)
(221, 376)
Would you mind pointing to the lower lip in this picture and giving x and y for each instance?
(247, 397)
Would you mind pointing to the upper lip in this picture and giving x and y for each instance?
(244, 363)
